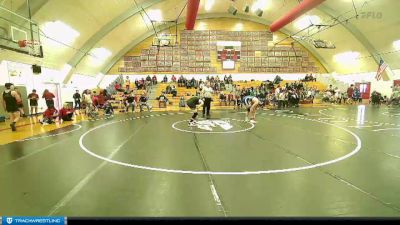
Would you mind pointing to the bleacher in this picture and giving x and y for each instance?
(173, 103)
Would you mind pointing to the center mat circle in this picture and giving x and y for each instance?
(311, 166)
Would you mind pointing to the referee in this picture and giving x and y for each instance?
(207, 94)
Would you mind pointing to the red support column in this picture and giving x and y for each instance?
(191, 13)
(296, 12)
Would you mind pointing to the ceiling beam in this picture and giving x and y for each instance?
(255, 19)
(353, 30)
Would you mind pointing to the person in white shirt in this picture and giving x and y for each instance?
(207, 94)
(87, 100)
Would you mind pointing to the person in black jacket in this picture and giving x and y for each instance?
(77, 100)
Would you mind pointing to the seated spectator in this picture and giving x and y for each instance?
(108, 109)
(174, 92)
(117, 87)
(173, 78)
(182, 102)
(65, 113)
(222, 98)
(168, 89)
(162, 100)
(165, 79)
(49, 115)
(143, 101)
(130, 102)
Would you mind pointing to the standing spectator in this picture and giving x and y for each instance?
(357, 95)
(154, 80)
(127, 83)
(350, 92)
(33, 102)
(77, 100)
(49, 97)
(87, 100)
(10, 99)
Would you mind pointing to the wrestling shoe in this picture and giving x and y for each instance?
(192, 123)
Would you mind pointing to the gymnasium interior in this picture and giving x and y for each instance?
(103, 90)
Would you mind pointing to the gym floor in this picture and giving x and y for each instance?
(315, 161)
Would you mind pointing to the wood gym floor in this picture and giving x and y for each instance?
(325, 162)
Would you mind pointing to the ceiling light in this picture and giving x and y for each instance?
(306, 21)
(209, 4)
(396, 44)
(238, 27)
(99, 55)
(59, 31)
(155, 15)
(260, 4)
(347, 58)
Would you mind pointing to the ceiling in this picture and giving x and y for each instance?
(117, 25)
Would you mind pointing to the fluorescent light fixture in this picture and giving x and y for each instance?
(238, 27)
(60, 31)
(209, 4)
(396, 44)
(360, 114)
(306, 21)
(155, 15)
(260, 4)
(99, 55)
(347, 58)
(201, 26)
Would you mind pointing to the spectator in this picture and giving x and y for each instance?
(173, 78)
(173, 91)
(127, 84)
(33, 102)
(154, 80)
(87, 101)
(350, 92)
(49, 97)
(130, 102)
(77, 100)
(117, 87)
(66, 113)
(143, 101)
(49, 115)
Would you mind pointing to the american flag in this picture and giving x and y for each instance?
(381, 69)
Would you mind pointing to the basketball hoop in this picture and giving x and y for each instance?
(29, 43)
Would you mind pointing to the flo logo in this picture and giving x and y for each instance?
(210, 124)
(9, 220)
